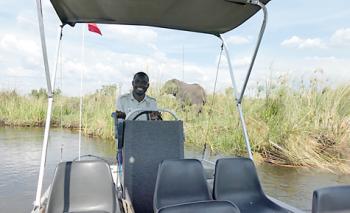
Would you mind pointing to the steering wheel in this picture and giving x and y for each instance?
(147, 111)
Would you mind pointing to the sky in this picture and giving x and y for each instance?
(303, 39)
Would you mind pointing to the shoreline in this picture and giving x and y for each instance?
(258, 158)
(281, 132)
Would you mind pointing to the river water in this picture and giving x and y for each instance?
(20, 151)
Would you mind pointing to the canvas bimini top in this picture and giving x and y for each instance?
(203, 16)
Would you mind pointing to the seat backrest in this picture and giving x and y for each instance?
(82, 186)
(180, 181)
(331, 199)
(146, 144)
(235, 179)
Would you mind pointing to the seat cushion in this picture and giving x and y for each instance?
(331, 199)
(82, 186)
(261, 205)
(235, 175)
(202, 207)
(236, 180)
(180, 181)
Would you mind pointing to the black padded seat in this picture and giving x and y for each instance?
(202, 207)
(83, 186)
(236, 181)
(181, 187)
(334, 199)
(146, 145)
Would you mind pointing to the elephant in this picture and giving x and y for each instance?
(186, 94)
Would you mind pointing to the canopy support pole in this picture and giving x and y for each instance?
(261, 33)
(37, 202)
(239, 97)
(236, 96)
(43, 46)
(50, 87)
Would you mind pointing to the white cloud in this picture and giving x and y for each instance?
(318, 58)
(12, 43)
(24, 19)
(241, 61)
(334, 70)
(19, 72)
(21, 57)
(17, 51)
(236, 62)
(341, 37)
(293, 41)
(302, 43)
(106, 67)
(131, 33)
(237, 40)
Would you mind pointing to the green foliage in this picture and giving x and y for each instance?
(42, 93)
(38, 93)
(107, 90)
(309, 126)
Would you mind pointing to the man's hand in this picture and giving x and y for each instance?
(120, 114)
(156, 116)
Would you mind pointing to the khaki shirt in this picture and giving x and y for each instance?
(127, 103)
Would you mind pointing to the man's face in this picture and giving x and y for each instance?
(140, 85)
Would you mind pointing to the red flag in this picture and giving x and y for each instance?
(92, 27)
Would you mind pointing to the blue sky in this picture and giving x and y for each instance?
(301, 37)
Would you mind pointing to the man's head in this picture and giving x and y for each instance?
(140, 83)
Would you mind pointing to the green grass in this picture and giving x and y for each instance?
(307, 127)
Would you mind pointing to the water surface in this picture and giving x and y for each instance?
(20, 150)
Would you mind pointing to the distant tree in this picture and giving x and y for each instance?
(57, 92)
(107, 90)
(42, 93)
(229, 91)
(38, 93)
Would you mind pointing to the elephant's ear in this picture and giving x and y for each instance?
(170, 87)
(174, 88)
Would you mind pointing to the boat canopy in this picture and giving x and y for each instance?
(203, 16)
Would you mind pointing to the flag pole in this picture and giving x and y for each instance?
(81, 88)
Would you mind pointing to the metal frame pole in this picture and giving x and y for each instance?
(239, 97)
(43, 154)
(58, 49)
(261, 33)
(50, 86)
(43, 46)
(81, 89)
(235, 94)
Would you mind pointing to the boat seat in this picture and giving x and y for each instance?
(236, 181)
(212, 206)
(331, 199)
(82, 186)
(181, 187)
(146, 145)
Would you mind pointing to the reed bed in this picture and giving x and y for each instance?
(308, 126)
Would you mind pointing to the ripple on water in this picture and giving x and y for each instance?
(21, 152)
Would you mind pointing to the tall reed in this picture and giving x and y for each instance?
(308, 126)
